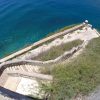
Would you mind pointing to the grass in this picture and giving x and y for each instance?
(56, 51)
(80, 76)
(67, 27)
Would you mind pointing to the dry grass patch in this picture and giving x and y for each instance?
(56, 51)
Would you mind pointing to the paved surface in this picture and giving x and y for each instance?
(94, 96)
(12, 83)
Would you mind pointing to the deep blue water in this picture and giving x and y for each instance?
(23, 22)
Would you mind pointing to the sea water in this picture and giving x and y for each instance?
(23, 22)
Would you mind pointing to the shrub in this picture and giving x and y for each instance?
(80, 76)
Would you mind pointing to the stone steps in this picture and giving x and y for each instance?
(23, 68)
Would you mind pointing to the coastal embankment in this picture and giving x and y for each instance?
(29, 71)
(16, 54)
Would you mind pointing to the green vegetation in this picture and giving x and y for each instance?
(56, 51)
(80, 76)
(67, 27)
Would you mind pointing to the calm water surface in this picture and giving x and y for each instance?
(23, 22)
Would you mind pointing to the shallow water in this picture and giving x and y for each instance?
(23, 22)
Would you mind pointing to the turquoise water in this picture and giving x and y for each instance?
(23, 22)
